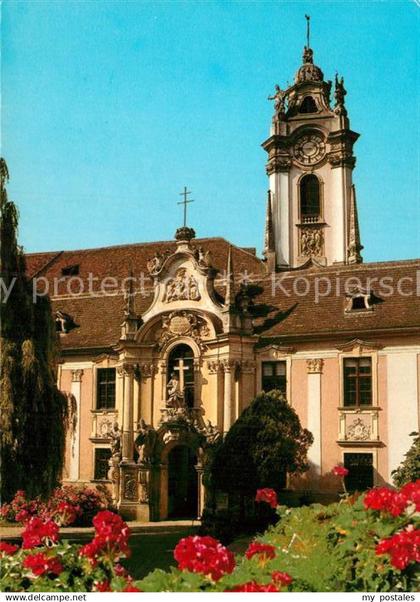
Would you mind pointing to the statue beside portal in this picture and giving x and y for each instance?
(211, 433)
(145, 442)
(115, 436)
(114, 461)
(175, 395)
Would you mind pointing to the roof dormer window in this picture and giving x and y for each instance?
(70, 270)
(359, 300)
(64, 322)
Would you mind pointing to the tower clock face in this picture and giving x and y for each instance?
(309, 149)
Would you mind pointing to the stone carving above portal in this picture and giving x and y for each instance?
(358, 430)
(182, 323)
(103, 423)
(359, 427)
(311, 242)
(184, 287)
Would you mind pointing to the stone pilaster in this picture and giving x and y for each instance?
(127, 372)
(314, 368)
(76, 391)
(147, 370)
(229, 367)
(215, 370)
(129, 475)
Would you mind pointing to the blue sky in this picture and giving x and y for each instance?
(110, 108)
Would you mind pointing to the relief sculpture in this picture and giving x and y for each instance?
(183, 287)
(311, 242)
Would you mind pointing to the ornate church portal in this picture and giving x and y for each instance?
(168, 360)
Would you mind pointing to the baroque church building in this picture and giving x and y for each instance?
(164, 344)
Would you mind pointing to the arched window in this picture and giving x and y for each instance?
(310, 203)
(181, 367)
(308, 105)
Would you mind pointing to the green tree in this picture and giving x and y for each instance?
(262, 446)
(409, 469)
(33, 413)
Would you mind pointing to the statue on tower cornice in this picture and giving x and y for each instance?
(339, 95)
(279, 98)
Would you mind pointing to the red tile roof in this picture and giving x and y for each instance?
(99, 317)
(295, 315)
(287, 313)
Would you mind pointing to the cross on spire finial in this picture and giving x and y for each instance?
(185, 202)
(308, 30)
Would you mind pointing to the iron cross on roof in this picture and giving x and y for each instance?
(308, 30)
(185, 202)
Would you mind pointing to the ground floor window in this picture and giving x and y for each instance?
(102, 455)
(360, 467)
(274, 376)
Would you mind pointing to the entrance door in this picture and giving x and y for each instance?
(182, 483)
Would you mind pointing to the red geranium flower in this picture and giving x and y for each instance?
(22, 516)
(403, 547)
(40, 564)
(130, 587)
(412, 492)
(253, 586)
(111, 529)
(204, 555)
(111, 537)
(38, 532)
(103, 586)
(264, 551)
(67, 513)
(8, 548)
(281, 578)
(267, 495)
(340, 471)
(119, 570)
(387, 500)
(91, 550)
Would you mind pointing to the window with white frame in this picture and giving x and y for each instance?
(274, 376)
(357, 377)
(105, 389)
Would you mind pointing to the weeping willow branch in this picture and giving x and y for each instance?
(34, 414)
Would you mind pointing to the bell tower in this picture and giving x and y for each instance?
(311, 207)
